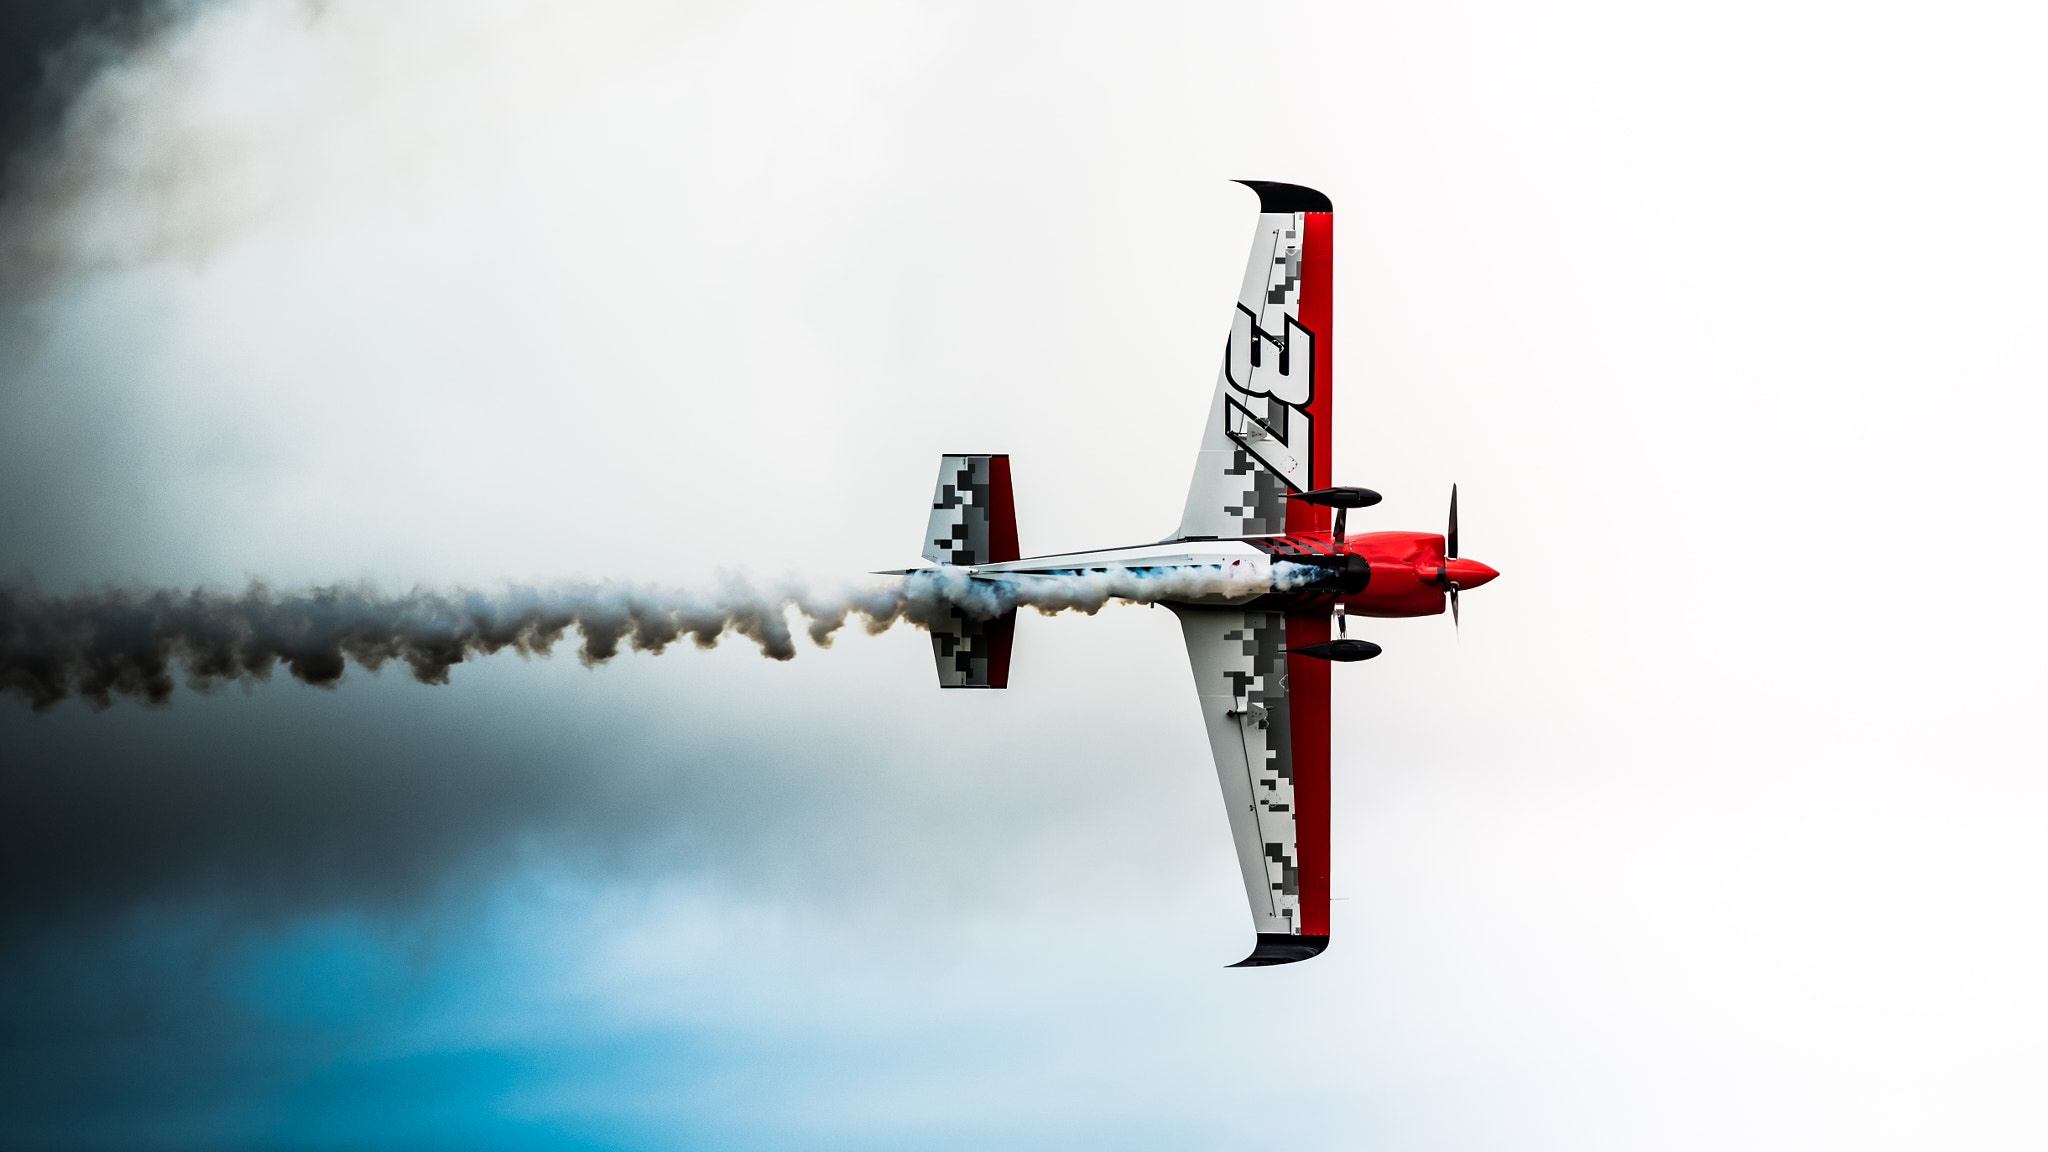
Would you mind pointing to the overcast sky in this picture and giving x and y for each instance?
(1721, 826)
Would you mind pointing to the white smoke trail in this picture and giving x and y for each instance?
(128, 643)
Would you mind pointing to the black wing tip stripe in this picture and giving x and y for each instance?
(1287, 197)
(1281, 948)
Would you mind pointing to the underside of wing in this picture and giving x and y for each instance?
(1268, 431)
(1268, 720)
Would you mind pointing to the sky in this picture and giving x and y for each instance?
(1720, 827)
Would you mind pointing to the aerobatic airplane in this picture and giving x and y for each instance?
(1261, 500)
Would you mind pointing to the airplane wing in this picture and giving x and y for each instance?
(1268, 716)
(1269, 425)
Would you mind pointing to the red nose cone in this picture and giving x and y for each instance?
(1467, 573)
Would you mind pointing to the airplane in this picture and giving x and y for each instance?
(1261, 492)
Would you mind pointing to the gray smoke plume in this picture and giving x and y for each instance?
(120, 642)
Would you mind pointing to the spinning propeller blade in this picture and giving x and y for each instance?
(1451, 553)
(1451, 537)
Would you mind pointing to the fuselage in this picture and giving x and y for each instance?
(1385, 574)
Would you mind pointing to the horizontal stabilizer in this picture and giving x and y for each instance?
(973, 522)
(974, 653)
(974, 518)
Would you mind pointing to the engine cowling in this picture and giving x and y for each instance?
(1398, 563)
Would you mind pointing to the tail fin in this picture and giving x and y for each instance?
(974, 521)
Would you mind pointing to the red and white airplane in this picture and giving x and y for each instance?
(1261, 497)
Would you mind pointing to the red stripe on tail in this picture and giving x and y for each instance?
(1002, 546)
(1002, 513)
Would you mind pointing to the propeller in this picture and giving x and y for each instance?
(1451, 553)
(1451, 537)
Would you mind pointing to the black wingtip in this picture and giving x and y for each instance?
(1287, 197)
(1279, 948)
